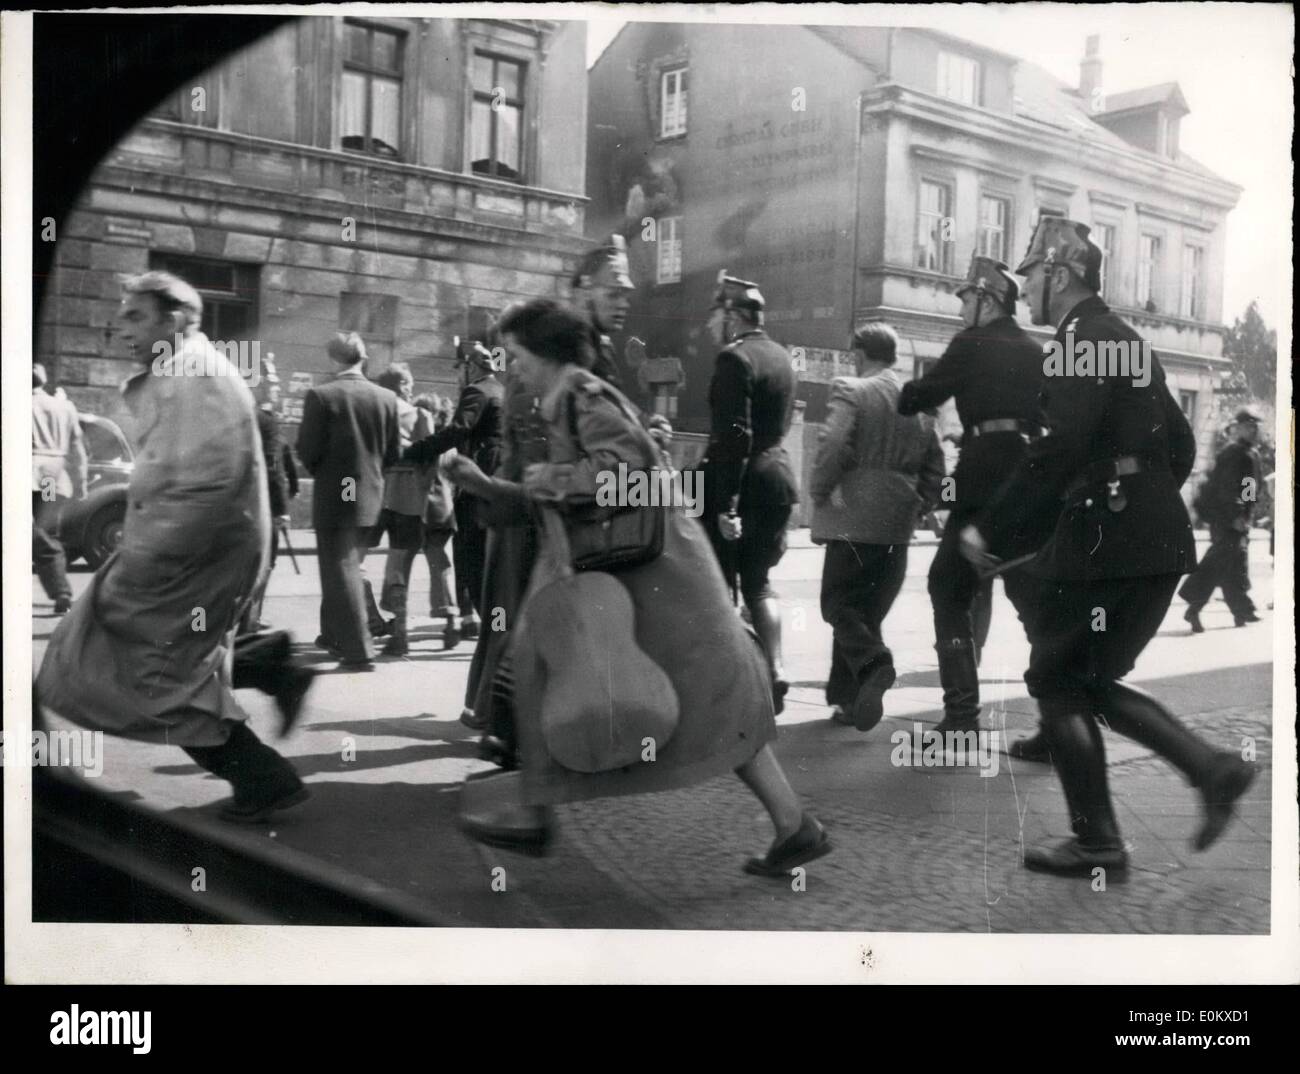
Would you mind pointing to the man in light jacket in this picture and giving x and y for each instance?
(59, 468)
(876, 471)
(146, 652)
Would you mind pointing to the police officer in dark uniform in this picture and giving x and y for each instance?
(475, 431)
(749, 486)
(994, 372)
(602, 289)
(1099, 495)
(1226, 502)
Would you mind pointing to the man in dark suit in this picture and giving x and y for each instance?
(349, 435)
(994, 373)
(475, 431)
(1226, 502)
(749, 486)
(1099, 495)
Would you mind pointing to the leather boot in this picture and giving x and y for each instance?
(1076, 744)
(1219, 776)
(960, 679)
(263, 781)
(766, 614)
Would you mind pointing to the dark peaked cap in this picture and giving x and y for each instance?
(737, 294)
(611, 255)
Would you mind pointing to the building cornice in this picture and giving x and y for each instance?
(1112, 201)
(891, 99)
(340, 156)
(138, 181)
(1173, 216)
(948, 156)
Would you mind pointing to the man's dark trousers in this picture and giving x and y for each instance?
(859, 585)
(1226, 566)
(47, 553)
(343, 620)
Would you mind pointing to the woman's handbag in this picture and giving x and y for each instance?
(603, 701)
(613, 538)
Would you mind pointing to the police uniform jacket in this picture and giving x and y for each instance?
(1224, 499)
(991, 372)
(474, 429)
(1055, 497)
(751, 399)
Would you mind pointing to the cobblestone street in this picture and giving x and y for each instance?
(916, 849)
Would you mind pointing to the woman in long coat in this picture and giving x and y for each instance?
(683, 620)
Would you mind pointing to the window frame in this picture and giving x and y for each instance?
(975, 65)
(518, 103)
(1109, 257)
(369, 71)
(1191, 306)
(946, 257)
(1008, 221)
(1155, 277)
(682, 112)
(1189, 412)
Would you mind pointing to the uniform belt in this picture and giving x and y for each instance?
(1006, 425)
(1099, 473)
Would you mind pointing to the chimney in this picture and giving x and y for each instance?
(1090, 68)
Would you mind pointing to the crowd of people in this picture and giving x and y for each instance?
(1067, 488)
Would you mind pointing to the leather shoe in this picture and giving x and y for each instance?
(396, 646)
(869, 706)
(259, 813)
(1228, 779)
(1072, 858)
(450, 636)
(381, 629)
(469, 629)
(360, 663)
(471, 720)
(1193, 616)
(527, 831)
(839, 716)
(322, 642)
(491, 748)
(1033, 748)
(289, 697)
(1249, 617)
(62, 605)
(808, 843)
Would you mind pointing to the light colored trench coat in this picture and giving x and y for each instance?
(684, 622)
(146, 651)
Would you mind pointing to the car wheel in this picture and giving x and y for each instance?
(104, 534)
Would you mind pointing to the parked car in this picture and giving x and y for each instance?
(92, 528)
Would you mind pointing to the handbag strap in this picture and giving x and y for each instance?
(555, 539)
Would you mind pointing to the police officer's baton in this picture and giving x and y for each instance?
(1002, 568)
(284, 535)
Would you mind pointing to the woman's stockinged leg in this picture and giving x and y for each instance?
(764, 776)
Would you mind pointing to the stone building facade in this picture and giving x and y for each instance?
(853, 171)
(404, 178)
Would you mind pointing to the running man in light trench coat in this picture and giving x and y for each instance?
(145, 652)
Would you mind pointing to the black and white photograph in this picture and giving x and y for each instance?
(608, 493)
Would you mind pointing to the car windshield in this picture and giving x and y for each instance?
(103, 443)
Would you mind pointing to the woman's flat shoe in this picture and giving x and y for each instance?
(507, 830)
(807, 844)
